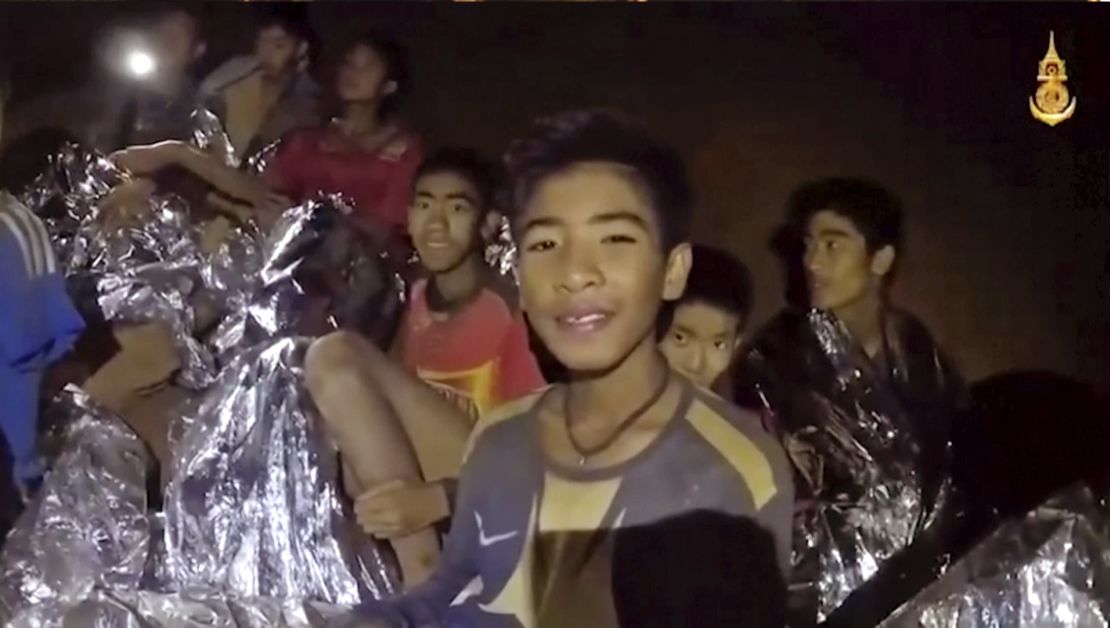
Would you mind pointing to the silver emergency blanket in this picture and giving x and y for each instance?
(147, 269)
(87, 528)
(251, 508)
(863, 437)
(1050, 569)
(147, 609)
(501, 252)
(251, 481)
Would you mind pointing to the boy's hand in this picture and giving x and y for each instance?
(397, 509)
(127, 203)
(144, 160)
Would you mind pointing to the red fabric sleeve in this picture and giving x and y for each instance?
(283, 174)
(519, 371)
(398, 193)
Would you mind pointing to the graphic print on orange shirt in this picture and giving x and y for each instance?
(476, 356)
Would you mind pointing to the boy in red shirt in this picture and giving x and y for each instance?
(401, 431)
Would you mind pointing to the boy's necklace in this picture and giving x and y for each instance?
(585, 453)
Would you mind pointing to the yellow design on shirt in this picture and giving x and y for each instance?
(471, 390)
(740, 452)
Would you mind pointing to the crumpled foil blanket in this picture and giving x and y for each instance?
(1050, 569)
(252, 506)
(87, 528)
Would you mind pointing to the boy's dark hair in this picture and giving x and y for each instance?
(873, 209)
(396, 60)
(720, 279)
(158, 11)
(291, 18)
(467, 163)
(703, 568)
(581, 136)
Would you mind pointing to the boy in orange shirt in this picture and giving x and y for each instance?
(401, 430)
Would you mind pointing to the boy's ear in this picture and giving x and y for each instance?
(883, 261)
(491, 224)
(679, 262)
(199, 50)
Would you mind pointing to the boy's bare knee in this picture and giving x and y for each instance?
(332, 357)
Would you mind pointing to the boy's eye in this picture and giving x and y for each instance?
(422, 205)
(541, 245)
(721, 344)
(459, 207)
(619, 238)
(680, 337)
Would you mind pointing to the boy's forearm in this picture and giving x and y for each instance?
(228, 180)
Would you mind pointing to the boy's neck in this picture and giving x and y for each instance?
(864, 321)
(610, 396)
(278, 81)
(360, 119)
(459, 283)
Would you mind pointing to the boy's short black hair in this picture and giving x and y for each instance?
(467, 163)
(158, 11)
(718, 278)
(594, 135)
(874, 210)
(291, 18)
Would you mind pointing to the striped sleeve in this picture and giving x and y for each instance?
(38, 321)
(758, 460)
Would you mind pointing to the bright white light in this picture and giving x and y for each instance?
(140, 63)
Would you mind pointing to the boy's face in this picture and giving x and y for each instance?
(444, 219)
(176, 38)
(363, 76)
(840, 270)
(277, 50)
(701, 341)
(592, 269)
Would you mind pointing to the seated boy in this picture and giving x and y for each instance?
(705, 327)
(866, 402)
(464, 349)
(38, 324)
(600, 213)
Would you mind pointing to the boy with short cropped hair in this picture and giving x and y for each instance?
(704, 328)
(854, 383)
(463, 347)
(262, 97)
(600, 212)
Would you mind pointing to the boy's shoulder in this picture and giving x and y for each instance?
(738, 436)
(504, 422)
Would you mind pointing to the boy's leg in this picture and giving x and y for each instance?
(344, 363)
(368, 407)
(147, 357)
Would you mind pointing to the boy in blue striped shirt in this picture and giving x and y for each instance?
(38, 324)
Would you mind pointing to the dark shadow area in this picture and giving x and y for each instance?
(10, 503)
(704, 569)
(1040, 432)
(28, 156)
(788, 248)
